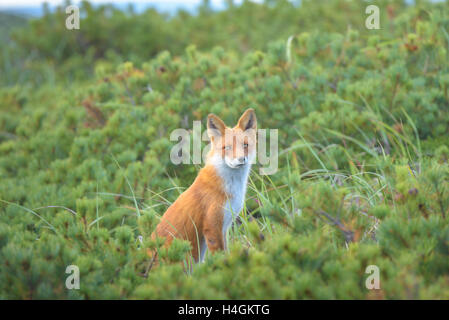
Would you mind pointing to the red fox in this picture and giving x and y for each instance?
(203, 213)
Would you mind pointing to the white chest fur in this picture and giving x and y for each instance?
(234, 181)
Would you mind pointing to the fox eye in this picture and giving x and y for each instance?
(245, 145)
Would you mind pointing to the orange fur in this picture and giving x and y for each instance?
(198, 214)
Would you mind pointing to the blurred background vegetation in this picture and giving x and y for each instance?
(120, 35)
(85, 122)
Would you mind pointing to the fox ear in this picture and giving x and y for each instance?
(248, 120)
(215, 126)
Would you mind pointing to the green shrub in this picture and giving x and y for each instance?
(363, 173)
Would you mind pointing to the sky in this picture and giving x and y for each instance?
(19, 3)
(34, 7)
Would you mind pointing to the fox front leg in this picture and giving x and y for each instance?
(213, 230)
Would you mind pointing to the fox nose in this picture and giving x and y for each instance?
(243, 160)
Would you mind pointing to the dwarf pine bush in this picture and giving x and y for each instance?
(363, 175)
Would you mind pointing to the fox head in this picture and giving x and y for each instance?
(233, 147)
